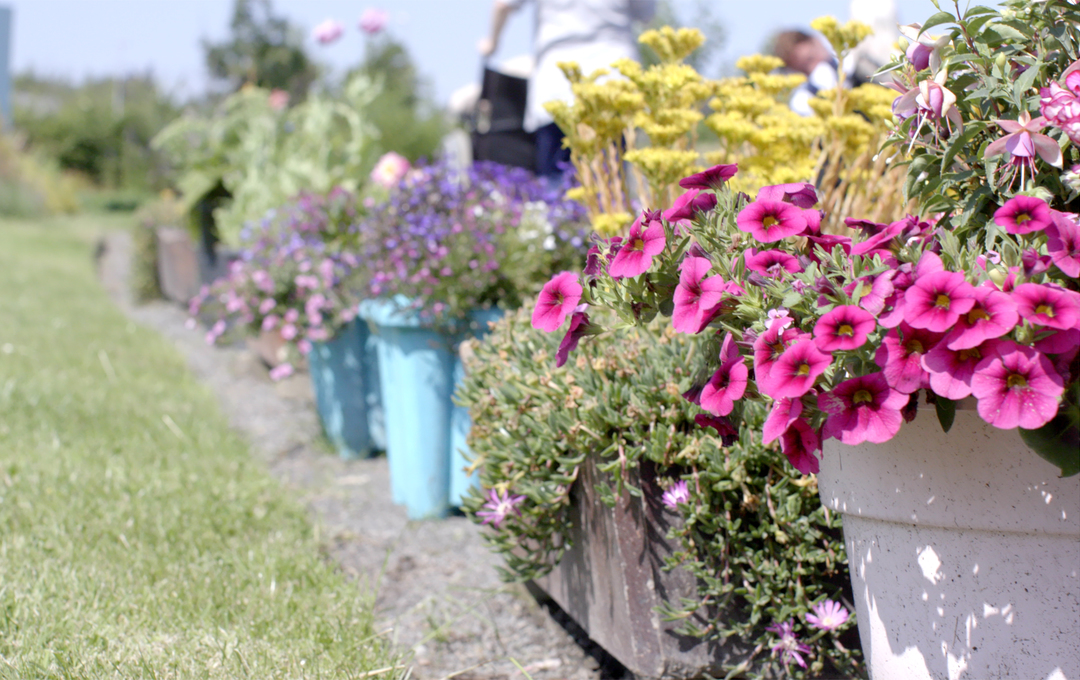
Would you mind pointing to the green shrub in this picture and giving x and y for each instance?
(164, 212)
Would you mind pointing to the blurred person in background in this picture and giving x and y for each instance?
(592, 33)
(809, 55)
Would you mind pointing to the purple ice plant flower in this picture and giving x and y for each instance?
(677, 493)
(498, 507)
(828, 615)
(789, 648)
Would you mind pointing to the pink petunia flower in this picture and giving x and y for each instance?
(678, 493)
(713, 178)
(794, 373)
(373, 20)
(772, 263)
(798, 443)
(728, 384)
(557, 300)
(843, 328)
(579, 328)
(951, 370)
(327, 32)
(1016, 387)
(637, 250)
(1063, 242)
(799, 194)
(783, 413)
(770, 221)
(1046, 305)
(937, 300)
(498, 507)
(789, 647)
(901, 358)
(695, 295)
(862, 409)
(828, 615)
(1023, 215)
(993, 315)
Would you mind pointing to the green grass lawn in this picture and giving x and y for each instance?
(138, 538)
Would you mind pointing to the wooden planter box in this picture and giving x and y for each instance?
(178, 265)
(612, 580)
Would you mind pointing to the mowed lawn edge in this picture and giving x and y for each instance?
(138, 536)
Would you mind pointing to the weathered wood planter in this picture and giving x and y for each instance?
(612, 580)
(178, 265)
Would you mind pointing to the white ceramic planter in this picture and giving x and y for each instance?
(964, 551)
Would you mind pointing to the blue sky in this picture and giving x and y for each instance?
(77, 38)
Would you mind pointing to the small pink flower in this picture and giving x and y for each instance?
(373, 20)
(794, 373)
(845, 327)
(770, 221)
(1023, 215)
(390, 170)
(1016, 387)
(278, 100)
(798, 443)
(292, 316)
(270, 322)
(789, 647)
(1046, 306)
(498, 507)
(936, 301)
(281, 371)
(1063, 242)
(267, 305)
(951, 370)
(638, 248)
(678, 493)
(689, 204)
(993, 315)
(557, 300)
(799, 194)
(579, 328)
(728, 384)
(327, 32)
(901, 359)
(783, 413)
(713, 178)
(863, 409)
(828, 615)
(695, 295)
(771, 263)
(288, 331)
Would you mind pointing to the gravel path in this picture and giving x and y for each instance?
(439, 595)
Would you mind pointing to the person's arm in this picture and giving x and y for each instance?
(500, 10)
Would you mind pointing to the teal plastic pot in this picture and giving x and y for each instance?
(345, 378)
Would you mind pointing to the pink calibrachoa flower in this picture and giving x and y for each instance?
(798, 443)
(687, 205)
(713, 178)
(772, 263)
(843, 328)
(1016, 387)
(638, 248)
(728, 434)
(875, 291)
(728, 384)
(828, 615)
(1047, 306)
(373, 20)
(783, 413)
(1063, 242)
(390, 170)
(863, 409)
(794, 372)
(498, 507)
(789, 647)
(771, 344)
(937, 300)
(557, 300)
(799, 194)
(770, 221)
(993, 315)
(327, 32)
(901, 359)
(695, 295)
(951, 370)
(1024, 141)
(678, 493)
(579, 328)
(1023, 215)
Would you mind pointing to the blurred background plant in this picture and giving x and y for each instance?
(165, 211)
(32, 184)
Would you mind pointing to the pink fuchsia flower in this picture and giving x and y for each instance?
(278, 100)
(373, 20)
(638, 248)
(772, 263)
(769, 346)
(498, 507)
(558, 299)
(1016, 387)
(992, 316)
(771, 221)
(695, 295)
(1046, 305)
(579, 328)
(901, 358)
(951, 370)
(794, 373)
(390, 170)
(828, 615)
(327, 32)
(687, 205)
(1063, 242)
(862, 409)
(924, 50)
(678, 493)
(1024, 141)
(937, 300)
(1023, 215)
(728, 384)
(799, 194)
(783, 413)
(789, 648)
(281, 371)
(713, 178)
(843, 328)
(798, 443)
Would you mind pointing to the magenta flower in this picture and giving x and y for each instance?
(936, 301)
(728, 434)
(1024, 141)
(783, 413)
(1063, 242)
(1061, 106)
(579, 328)
(688, 204)
(327, 32)
(876, 242)
(951, 369)
(772, 263)
(799, 442)
(695, 295)
(635, 256)
(678, 493)
(875, 291)
(557, 300)
(863, 409)
(498, 507)
(901, 359)
(373, 20)
(728, 384)
(1023, 215)
(845, 327)
(828, 615)
(789, 647)
(281, 371)
(794, 373)
(799, 194)
(770, 221)
(1046, 305)
(993, 315)
(1016, 387)
(771, 344)
(713, 178)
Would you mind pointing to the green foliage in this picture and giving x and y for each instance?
(754, 532)
(31, 185)
(264, 50)
(164, 212)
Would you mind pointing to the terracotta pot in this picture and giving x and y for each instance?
(269, 346)
(178, 265)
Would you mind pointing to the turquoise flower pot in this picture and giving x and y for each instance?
(344, 374)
